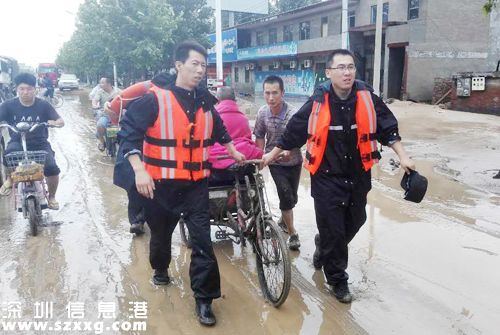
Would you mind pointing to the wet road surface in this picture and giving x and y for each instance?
(429, 268)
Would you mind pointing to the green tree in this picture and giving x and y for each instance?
(281, 6)
(489, 5)
(138, 35)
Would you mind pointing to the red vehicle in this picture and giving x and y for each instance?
(51, 69)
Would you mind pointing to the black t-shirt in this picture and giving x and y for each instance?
(12, 112)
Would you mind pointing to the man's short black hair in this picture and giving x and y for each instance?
(336, 52)
(272, 79)
(25, 78)
(181, 53)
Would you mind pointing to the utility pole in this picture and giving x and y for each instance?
(114, 74)
(345, 29)
(377, 59)
(218, 42)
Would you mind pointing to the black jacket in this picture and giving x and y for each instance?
(142, 114)
(342, 157)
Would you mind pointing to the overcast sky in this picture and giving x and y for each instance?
(32, 31)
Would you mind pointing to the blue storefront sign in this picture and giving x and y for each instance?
(296, 82)
(268, 51)
(229, 49)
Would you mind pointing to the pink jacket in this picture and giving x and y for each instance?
(238, 127)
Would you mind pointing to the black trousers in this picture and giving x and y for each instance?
(171, 198)
(287, 179)
(340, 213)
(135, 207)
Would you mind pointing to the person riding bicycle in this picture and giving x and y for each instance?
(238, 127)
(26, 107)
(107, 93)
(49, 86)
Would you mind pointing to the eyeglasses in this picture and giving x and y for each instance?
(342, 68)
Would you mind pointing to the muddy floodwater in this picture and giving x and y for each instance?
(428, 268)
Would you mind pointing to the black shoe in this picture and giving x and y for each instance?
(205, 314)
(341, 291)
(318, 264)
(294, 242)
(161, 277)
(137, 228)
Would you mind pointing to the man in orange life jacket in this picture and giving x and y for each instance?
(339, 125)
(123, 175)
(177, 126)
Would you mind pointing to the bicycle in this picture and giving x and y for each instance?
(110, 134)
(110, 140)
(56, 101)
(242, 207)
(27, 175)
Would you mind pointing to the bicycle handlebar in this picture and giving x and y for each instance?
(6, 125)
(32, 128)
(245, 162)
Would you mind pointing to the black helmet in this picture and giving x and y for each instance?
(415, 186)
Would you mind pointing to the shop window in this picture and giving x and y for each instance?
(247, 76)
(273, 35)
(385, 13)
(351, 18)
(413, 6)
(324, 26)
(287, 33)
(260, 38)
(304, 30)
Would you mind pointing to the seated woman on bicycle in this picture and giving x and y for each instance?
(28, 108)
(107, 93)
(238, 127)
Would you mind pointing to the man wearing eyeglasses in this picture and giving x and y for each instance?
(340, 125)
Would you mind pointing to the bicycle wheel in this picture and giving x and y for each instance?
(273, 263)
(184, 233)
(57, 100)
(3, 170)
(110, 146)
(32, 216)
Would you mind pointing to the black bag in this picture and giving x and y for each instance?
(415, 186)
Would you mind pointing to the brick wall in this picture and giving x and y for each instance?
(441, 86)
(487, 101)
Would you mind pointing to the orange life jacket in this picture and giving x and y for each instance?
(129, 94)
(319, 126)
(174, 147)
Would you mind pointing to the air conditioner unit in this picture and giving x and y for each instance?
(293, 64)
(247, 67)
(307, 63)
(276, 64)
(252, 66)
